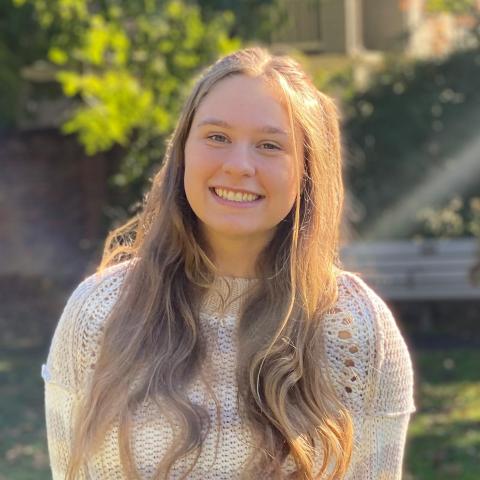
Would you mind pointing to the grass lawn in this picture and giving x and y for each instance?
(443, 442)
(23, 452)
(444, 435)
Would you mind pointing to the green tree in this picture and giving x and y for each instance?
(21, 43)
(128, 64)
(456, 219)
(254, 19)
(415, 116)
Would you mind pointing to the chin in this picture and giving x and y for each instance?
(236, 232)
(233, 230)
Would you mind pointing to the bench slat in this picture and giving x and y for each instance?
(402, 270)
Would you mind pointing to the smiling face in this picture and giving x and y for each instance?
(240, 161)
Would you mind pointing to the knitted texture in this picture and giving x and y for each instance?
(368, 363)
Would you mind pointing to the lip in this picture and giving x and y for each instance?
(236, 190)
(231, 203)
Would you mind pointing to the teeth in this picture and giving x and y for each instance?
(235, 196)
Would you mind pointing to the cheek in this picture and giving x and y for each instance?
(198, 161)
(286, 188)
(286, 183)
(193, 160)
(191, 173)
(199, 168)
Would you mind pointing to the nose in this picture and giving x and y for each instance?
(239, 161)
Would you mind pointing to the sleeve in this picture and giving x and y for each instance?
(390, 402)
(60, 374)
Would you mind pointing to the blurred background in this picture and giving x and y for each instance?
(90, 90)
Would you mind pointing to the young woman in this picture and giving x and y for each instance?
(220, 338)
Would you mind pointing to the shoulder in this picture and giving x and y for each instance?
(95, 295)
(77, 335)
(369, 361)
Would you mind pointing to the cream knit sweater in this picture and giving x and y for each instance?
(368, 363)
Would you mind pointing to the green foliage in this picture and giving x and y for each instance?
(453, 6)
(254, 19)
(23, 446)
(332, 73)
(405, 126)
(443, 438)
(454, 220)
(21, 42)
(129, 65)
(115, 104)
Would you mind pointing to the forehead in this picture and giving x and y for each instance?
(240, 98)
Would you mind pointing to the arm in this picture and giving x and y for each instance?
(72, 356)
(60, 405)
(380, 455)
(61, 386)
(390, 402)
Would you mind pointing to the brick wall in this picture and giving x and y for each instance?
(51, 198)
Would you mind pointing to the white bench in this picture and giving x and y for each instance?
(430, 269)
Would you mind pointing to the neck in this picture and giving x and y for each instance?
(236, 257)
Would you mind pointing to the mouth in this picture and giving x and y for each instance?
(235, 197)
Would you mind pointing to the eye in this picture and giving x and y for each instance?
(269, 146)
(217, 137)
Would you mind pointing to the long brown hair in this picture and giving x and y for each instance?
(152, 334)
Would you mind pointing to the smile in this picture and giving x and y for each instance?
(235, 196)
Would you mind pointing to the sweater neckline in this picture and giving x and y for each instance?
(227, 295)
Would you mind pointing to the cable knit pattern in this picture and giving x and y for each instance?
(368, 364)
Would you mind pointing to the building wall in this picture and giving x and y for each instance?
(51, 198)
(385, 24)
(303, 24)
(333, 26)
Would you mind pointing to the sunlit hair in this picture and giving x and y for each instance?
(152, 334)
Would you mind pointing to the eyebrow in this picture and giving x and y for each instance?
(221, 123)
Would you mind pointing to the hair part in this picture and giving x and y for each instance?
(152, 334)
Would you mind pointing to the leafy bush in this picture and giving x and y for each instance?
(128, 66)
(406, 124)
(21, 42)
(456, 219)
